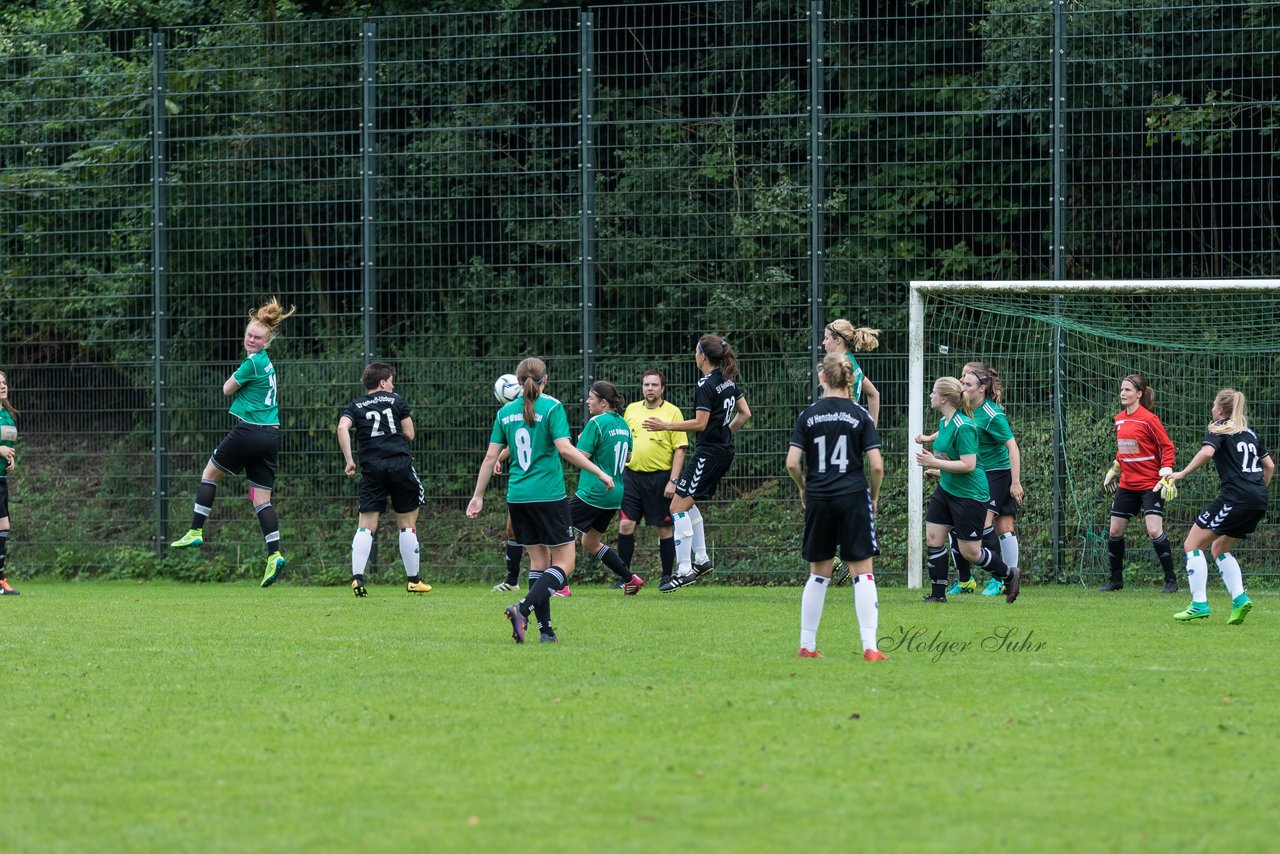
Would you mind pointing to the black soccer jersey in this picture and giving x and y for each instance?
(1238, 458)
(834, 433)
(377, 417)
(719, 397)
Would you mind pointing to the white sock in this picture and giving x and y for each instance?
(1009, 549)
(684, 542)
(811, 602)
(361, 545)
(699, 535)
(866, 603)
(1197, 577)
(1230, 571)
(409, 551)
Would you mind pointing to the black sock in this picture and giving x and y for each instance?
(613, 560)
(963, 571)
(541, 611)
(1115, 554)
(993, 562)
(667, 549)
(515, 551)
(359, 579)
(551, 580)
(1165, 553)
(626, 547)
(205, 493)
(4, 548)
(938, 571)
(270, 524)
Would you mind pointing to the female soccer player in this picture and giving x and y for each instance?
(1245, 469)
(843, 337)
(254, 440)
(959, 502)
(535, 429)
(720, 408)
(999, 457)
(1144, 460)
(607, 439)
(839, 499)
(8, 436)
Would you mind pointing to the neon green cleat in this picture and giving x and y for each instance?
(275, 564)
(995, 587)
(1195, 611)
(958, 587)
(1238, 613)
(190, 539)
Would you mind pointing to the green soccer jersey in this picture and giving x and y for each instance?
(607, 441)
(993, 432)
(256, 401)
(6, 420)
(856, 385)
(536, 473)
(958, 436)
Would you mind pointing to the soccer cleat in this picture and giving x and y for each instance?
(7, 590)
(957, 587)
(632, 587)
(417, 586)
(808, 653)
(357, 588)
(190, 539)
(874, 655)
(668, 584)
(1170, 586)
(702, 568)
(563, 592)
(995, 587)
(1111, 586)
(1238, 612)
(1195, 611)
(618, 585)
(942, 600)
(518, 622)
(506, 587)
(275, 563)
(1012, 582)
(548, 637)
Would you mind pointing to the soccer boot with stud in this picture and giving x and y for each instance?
(189, 540)
(357, 587)
(1239, 612)
(275, 565)
(959, 587)
(995, 587)
(417, 585)
(518, 622)
(1195, 611)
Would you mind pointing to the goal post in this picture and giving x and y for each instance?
(1062, 348)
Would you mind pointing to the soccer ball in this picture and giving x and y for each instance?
(505, 388)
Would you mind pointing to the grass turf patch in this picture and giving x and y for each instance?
(163, 716)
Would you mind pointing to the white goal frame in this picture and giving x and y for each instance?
(918, 391)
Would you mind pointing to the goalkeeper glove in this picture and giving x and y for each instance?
(1167, 488)
(1110, 479)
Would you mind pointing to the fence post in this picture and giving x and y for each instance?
(159, 291)
(817, 317)
(1057, 116)
(587, 215)
(368, 248)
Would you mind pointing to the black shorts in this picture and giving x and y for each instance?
(4, 495)
(998, 483)
(843, 522)
(1231, 520)
(541, 523)
(252, 449)
(966, 517)
(395, 478)
(642, 497)
(587, 517)
(702, 473)
(1127, 503)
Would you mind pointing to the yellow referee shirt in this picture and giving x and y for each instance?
(652, 451)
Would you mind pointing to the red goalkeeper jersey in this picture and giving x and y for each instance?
(1142, 448)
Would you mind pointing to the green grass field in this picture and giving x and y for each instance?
(169, 717)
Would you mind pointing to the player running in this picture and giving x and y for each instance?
(8, 456)
(839, 499)
(1245, 469)
(384, 428)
